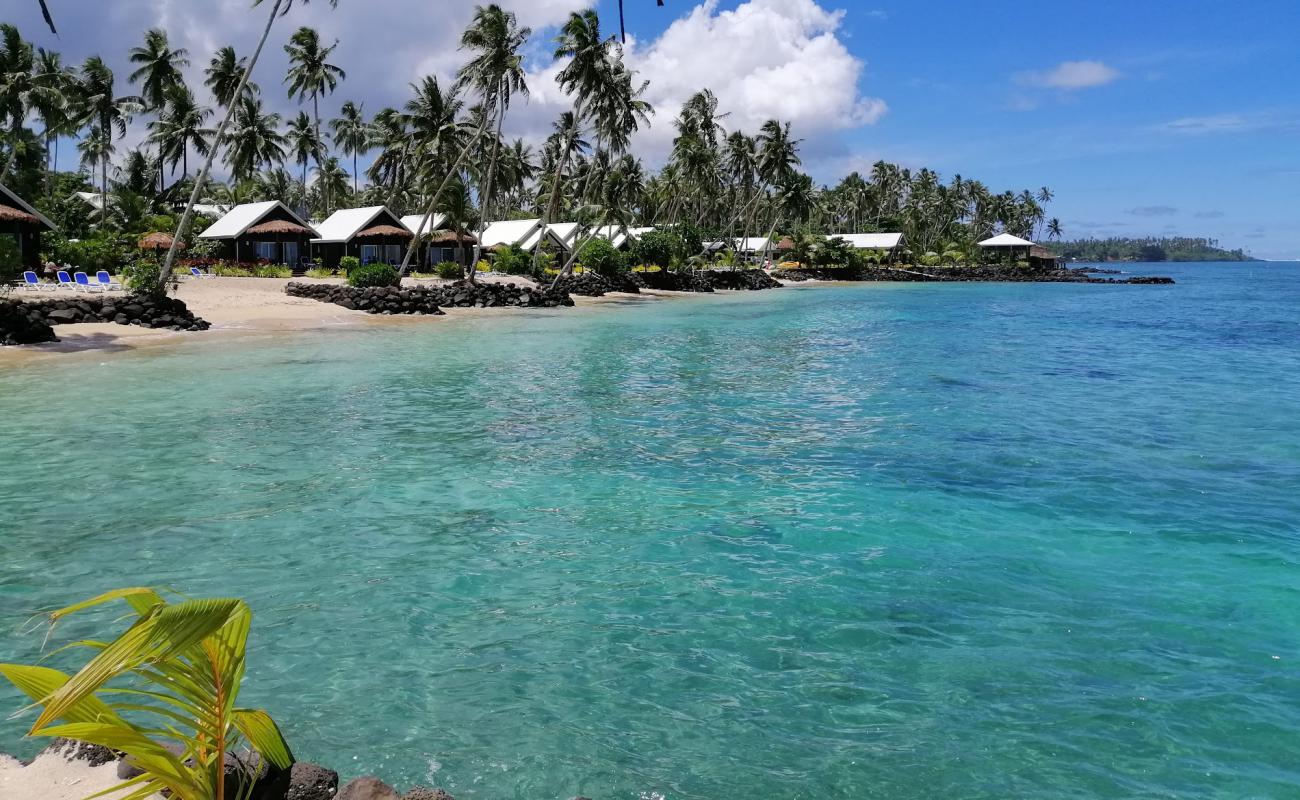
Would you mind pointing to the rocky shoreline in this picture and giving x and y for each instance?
(429, 300)
(33, 322)
(247, 776)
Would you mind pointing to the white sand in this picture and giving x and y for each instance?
(258, 305)
(53, 777)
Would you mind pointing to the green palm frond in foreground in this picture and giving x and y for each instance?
(175, 673)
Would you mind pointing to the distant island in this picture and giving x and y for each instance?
(1176, 248)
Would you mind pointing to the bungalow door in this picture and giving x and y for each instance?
(290, 254)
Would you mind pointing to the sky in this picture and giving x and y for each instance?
(1145, 117)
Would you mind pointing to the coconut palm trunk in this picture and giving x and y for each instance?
(165, 273)
(487, 184)
(433, 201)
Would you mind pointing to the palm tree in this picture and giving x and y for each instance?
(311, 75)
(351, 134)
(278, 7)
(105, 112)
(331, 178)
(180, 127)
(254, 141)
(304, 144)
(496, 72)
(17, 85)
(53, 101)
(1054, 228)
(224, 74)
(160, 68)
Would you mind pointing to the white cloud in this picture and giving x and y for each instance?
(1071, 75)
(1216, 123)
(763, 59)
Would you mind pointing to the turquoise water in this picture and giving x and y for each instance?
(904, 541)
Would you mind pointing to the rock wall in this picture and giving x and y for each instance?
(666, 281)
(430, 299)
(751, 279)
(589, 284)
(32, 321)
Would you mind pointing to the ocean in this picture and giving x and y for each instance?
(896, 541)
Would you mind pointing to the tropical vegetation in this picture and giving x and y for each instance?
(1165, 248)
(171, 678)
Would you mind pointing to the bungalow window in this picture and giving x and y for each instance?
(266, 251)
(290, 251)
(369, 253)
(393, 253)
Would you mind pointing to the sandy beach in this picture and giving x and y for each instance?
(256, 305)
(56, 776)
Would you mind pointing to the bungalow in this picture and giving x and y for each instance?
(372, 234)
(621, 238)
(438, 242)
(266, 231)
(522, 233)
(890, 243)
(25, 224)
(747, 244)
(93, 199)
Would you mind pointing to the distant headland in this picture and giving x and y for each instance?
(1176, 248)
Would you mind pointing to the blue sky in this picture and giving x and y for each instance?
(1196, 131)
(1144, 117)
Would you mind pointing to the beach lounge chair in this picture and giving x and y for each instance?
(84, 284)
(197, 273)
(65, 282)
(107, 281)
(33, 284)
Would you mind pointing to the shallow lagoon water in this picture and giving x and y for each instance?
(897, 541)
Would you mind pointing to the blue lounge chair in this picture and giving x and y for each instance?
(195, 272)
(84, 284)
(33, 284)
(107, 281)
(65, 282)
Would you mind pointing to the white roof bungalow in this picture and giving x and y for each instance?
(421, 225)
(372, 233)
(523, 233)
(748, 244)
(871, 241)
(93, 199)
(621, 236)
(265, 231)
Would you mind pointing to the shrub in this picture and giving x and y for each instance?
(953, 256)
(141, 274)
(349, 263)
(190, 655)
(931, 259)
(834, 252)
(226, 270)
(102, 251)
(513, 260)
(272, 271)
(449, 270)
(373, 275)
(318, 272)
(483, 266)
(657, 248)
(11, 262)
(601, 257)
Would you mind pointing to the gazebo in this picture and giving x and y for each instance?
(156, 240)
(1008, 244)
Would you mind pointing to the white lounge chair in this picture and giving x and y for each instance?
(106, 281)
(34, 284)
(84, 284)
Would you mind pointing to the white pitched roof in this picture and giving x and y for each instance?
(870, 241)
(93, 199)
(412, 222)
(345, 223)
(244, 216)
(1006, 240)
(512, 231)
(617, 237)
(210, 209)
(25, 206)
(565, 232)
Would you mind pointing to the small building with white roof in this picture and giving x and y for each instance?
(522, 233)
(267, 231)
(373, 234)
